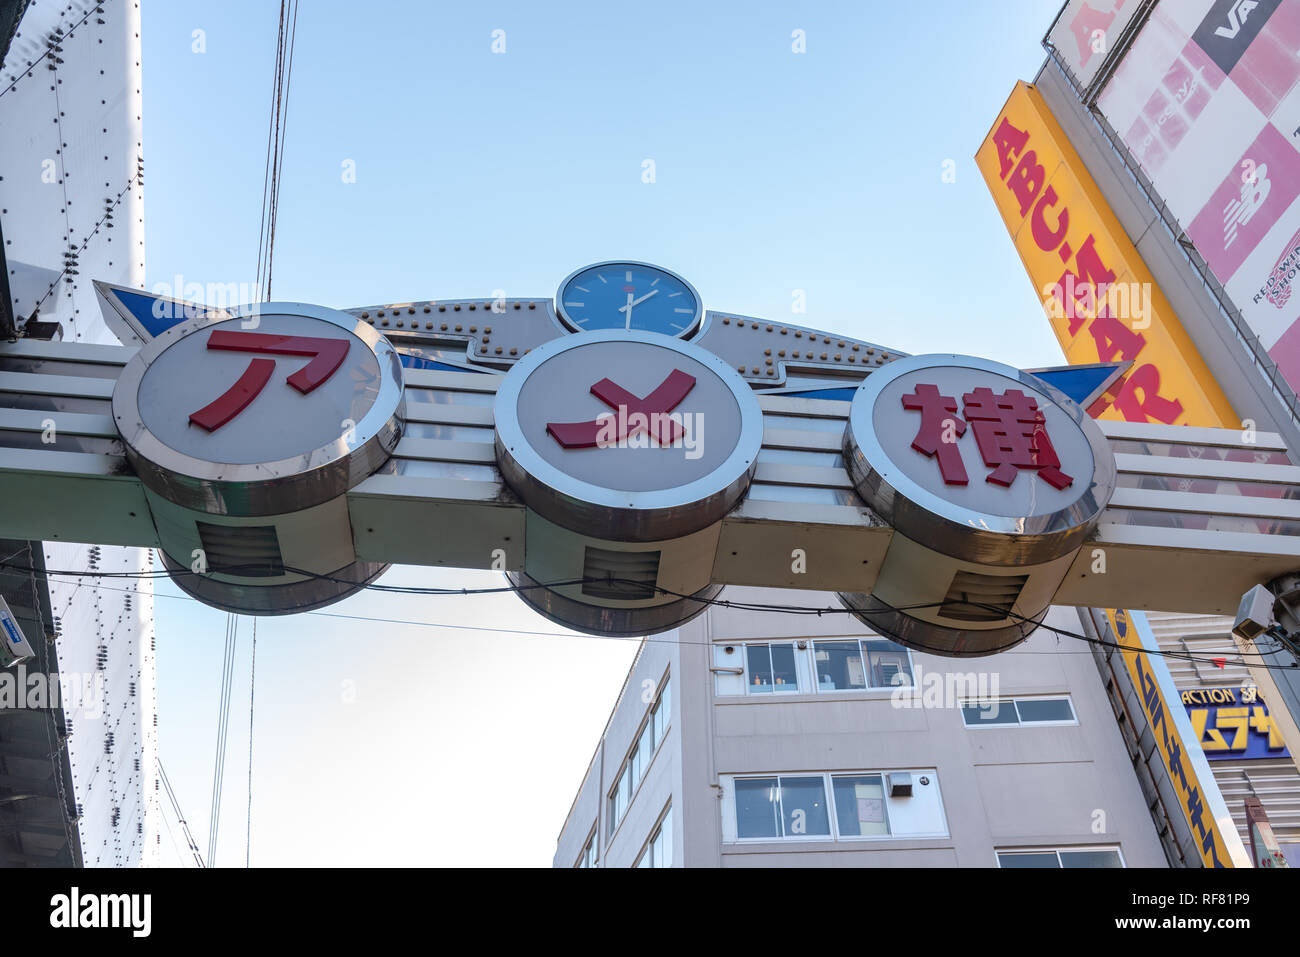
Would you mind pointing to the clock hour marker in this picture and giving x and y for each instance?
(602, 278)
(581, 321)
(628, 276)
(575, 305)
(656, 282)
(676, 325)
(582, 289)
(689, 312)
(671, 294)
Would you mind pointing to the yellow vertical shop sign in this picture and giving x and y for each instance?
(1214, 852)
(1103, 304)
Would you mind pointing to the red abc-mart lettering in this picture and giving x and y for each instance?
(1081, 291)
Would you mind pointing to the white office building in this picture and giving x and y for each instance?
(754, 738)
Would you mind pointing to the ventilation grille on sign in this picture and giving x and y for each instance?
(248, 550)
(976, 597)
(619, 575)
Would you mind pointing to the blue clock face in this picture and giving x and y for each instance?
(625, 295)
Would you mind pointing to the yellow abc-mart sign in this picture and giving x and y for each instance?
(1104, 306)
(1101, 300)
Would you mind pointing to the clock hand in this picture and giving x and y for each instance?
(628, 310)
(637, 302)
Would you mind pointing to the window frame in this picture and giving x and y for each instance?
(655, 833)
(1085, 848)
(615, 815)
(783, 837)
(771, 669)
(646, 760)
(805, 668)
(590, 846)
(864, 655)
(1019, 723)
(832, 810)
(884, 801)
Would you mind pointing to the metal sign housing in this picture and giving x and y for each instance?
(546, 474)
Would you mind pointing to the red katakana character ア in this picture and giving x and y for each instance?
(939, 431)
(1012, 434)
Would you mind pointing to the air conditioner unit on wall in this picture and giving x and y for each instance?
(898, 784)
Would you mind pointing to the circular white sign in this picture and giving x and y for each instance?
(977, 459)
(277, 408)
(630, 436)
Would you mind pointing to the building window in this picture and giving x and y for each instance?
(805, 667)
(1015, 711)
(858, 664)
(780, 807)
(588, 856)
(634, 767)
(860, 804)
(1062, 857)
(662, 713)
(835, 805)
(771, 669)
(621, 796)
(659, 849)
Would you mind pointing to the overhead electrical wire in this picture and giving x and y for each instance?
(180, 816)
(272, 177)
(223, 730)
(725, 603)
(171, 834)
(277, 125)
(1217, 661)
(252, 689)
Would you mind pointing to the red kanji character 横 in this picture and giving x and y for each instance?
(1012, 434)
(939, 431)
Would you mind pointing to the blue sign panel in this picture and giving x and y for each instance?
(1233, 723)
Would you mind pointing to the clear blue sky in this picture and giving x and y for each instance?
(476, 171)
